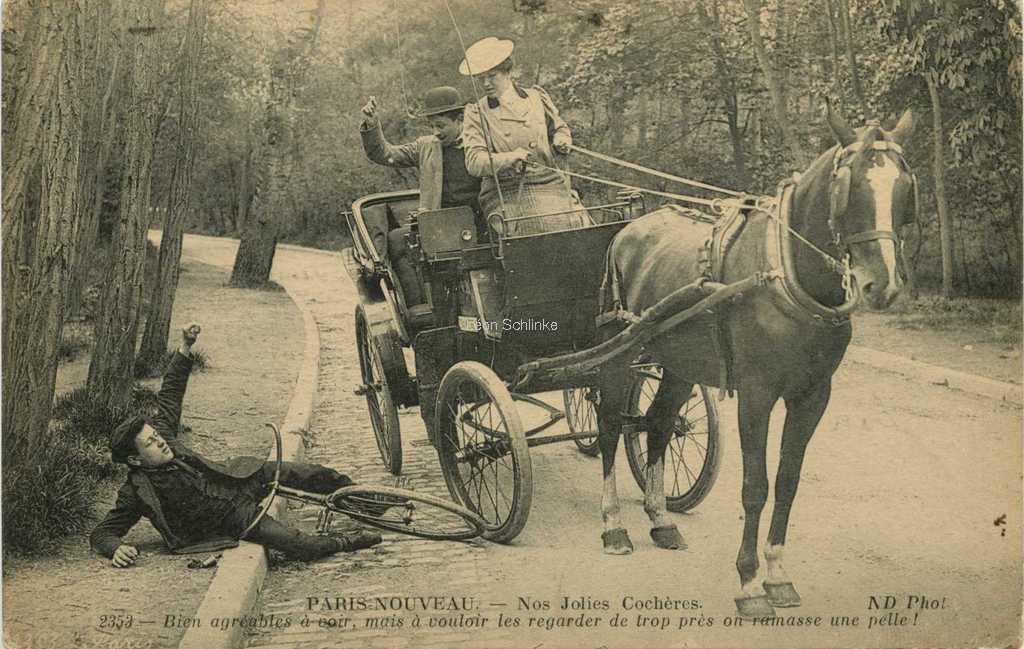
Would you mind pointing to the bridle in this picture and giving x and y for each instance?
(839, 194)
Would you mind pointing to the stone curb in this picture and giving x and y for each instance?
(937, 375)
(241, 571)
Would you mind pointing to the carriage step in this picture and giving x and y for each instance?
(421, 316)
(632, 424)
(420, 442)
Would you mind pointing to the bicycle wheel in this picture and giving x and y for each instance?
(379, 400)
(694, 452)
(268, 500)
(581, 415)
(407, 512)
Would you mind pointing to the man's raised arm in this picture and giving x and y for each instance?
(175, 382)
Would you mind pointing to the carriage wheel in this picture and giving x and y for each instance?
(379, 400)
(694, 452)
(482, 449)
(581, 415)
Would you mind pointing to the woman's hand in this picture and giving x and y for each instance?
(561, 143)
(515, 160)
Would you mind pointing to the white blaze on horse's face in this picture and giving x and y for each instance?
(881, 178)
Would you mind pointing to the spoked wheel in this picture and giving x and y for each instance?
(694, 451)
(581, 415)
(268, 499)
(407, 512)
(379, 400)
(482, 449)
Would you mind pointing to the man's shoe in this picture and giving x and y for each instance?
(358, 540)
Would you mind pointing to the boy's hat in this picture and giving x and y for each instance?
(442, 99)
(122, 442)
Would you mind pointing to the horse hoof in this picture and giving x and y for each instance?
(782, 594)
(616, 541)
(754, 606)
(668, 537)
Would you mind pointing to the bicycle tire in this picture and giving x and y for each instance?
(268, 500)
(354, 502)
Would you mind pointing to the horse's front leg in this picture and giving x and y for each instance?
(755, 407)
(802, 416)
(661, 420)
(609, 423)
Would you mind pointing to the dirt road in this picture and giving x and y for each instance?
(909, 490)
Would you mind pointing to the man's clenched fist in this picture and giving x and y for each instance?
(190, 332)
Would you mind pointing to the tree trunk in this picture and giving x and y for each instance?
(111, 369)
(34, 300)
(938, 172)
(781, 58)
(258, 243)
(255, 255)
(245, 185)
(833, 41)
(851, 56)
(102, 75)
(775, 90)
(158, 320)
(726, 88)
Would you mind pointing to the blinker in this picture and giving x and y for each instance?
(839, 196)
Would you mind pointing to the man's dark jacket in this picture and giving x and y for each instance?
(138, 498)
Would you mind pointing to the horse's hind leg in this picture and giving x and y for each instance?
(755, 407)
(609, 424)
(802, 416)
(661, 420)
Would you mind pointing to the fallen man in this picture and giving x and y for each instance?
(198, 505)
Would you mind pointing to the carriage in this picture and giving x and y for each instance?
(497, 309)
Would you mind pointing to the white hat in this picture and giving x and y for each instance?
(485, 54)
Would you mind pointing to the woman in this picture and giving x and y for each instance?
(507, 131)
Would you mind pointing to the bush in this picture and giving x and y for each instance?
(997, 321)
(49, 496)
(84, 425)
(75, 339)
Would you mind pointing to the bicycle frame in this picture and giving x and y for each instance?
(327, 510)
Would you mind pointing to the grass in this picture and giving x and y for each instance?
(49, 496)
(992, 320)
(76, 338)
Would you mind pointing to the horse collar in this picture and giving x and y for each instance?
(780, 255)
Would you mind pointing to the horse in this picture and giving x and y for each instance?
(842, 246)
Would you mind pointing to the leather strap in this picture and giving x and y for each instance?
(871, 235)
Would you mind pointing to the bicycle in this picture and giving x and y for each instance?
(388, 508)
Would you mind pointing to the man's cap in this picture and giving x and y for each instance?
(122, 442)
(442, 99)
(485, 54)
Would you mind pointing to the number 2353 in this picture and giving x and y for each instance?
(119, 621)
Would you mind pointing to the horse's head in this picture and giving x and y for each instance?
(872, 193)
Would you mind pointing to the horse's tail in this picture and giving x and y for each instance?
(610, 295)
